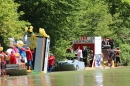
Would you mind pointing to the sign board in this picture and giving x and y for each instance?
(12, 66)
(84, 41)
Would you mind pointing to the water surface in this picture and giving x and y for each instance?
(97, 77)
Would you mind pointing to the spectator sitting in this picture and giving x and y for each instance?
(109, 62)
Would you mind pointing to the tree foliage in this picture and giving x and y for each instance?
(96, 19)
(66, 20)
(120, 10)
(9, 21)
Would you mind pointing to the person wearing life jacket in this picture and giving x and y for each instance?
(12, 58)
(117, 56)
(7, 57)
(3, 62)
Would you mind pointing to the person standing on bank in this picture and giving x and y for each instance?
(51, 62)
(111, 43)
(117, 56)
(103, 42)
(91, 57)
(2, 62)
(79, 54)
(29, 58)
(85, 54)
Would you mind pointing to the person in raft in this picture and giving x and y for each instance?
(29, 58)
(3, 63)
(51, 62)
(12, 58)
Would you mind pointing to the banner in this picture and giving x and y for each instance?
(97, 60)
(12, 66)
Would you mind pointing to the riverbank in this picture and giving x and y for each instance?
(106, 67)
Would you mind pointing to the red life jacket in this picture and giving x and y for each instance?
(12, 59)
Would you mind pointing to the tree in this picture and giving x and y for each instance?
(59, 18)
(120, 10)
(67, 20)
(126, 1)
(96, 19)
(9, 21)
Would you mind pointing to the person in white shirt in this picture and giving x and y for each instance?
(79, 54)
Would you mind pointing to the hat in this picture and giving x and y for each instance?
(1, 48)
(20, 43)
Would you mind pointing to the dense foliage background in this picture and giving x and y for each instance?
(10, 25)
(66, 20)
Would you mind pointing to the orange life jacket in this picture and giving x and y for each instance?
(2, 57)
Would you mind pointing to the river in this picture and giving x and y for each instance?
(96, 77)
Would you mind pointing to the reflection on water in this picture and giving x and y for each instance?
(39, 80)
(72, 78)
(99, 78)
(49, 80)
(44, 80)
(81, 80)
(14, 81)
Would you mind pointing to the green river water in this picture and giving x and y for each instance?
(97, 77)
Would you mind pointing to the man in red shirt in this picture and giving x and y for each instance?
(51, 62)
(29, 58)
